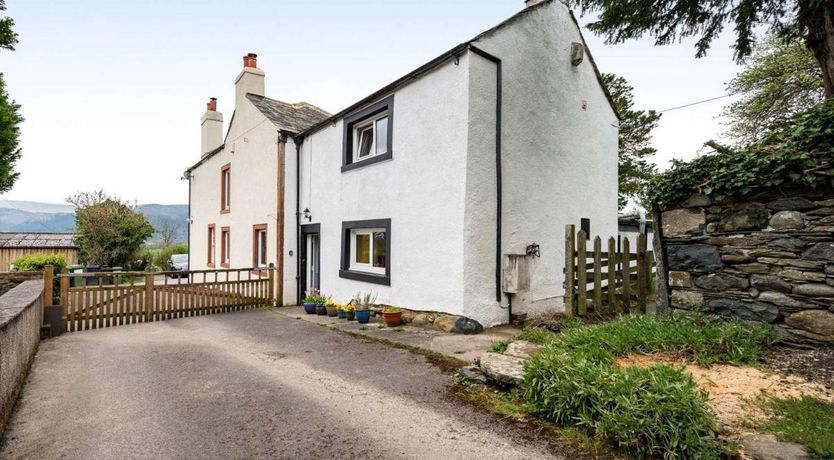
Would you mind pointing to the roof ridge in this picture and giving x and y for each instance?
(292, 104)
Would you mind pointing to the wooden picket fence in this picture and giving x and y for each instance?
(613, 278)
(98, 300)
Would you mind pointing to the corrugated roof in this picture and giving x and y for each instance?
(37, 240)
(289, 117)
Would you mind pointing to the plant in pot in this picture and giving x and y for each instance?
(349, 311)
(321, 309)
(363, 304)
(310, 298)
(331, 307)
(340, 311)
(392, 316)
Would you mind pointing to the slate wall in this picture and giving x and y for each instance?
(768, 259)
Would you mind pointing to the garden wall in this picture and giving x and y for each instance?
(21, 316)
(769, 259)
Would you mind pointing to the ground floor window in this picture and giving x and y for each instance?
(259, 246)
(366, 250)
(210, 248)
(225, 246)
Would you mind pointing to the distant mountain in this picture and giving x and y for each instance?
(32, 216)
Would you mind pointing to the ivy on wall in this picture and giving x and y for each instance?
(799, 155)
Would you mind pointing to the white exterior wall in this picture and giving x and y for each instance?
(559, 160)
(422, 191)
(252, 150)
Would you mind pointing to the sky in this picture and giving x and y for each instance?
(112, 91)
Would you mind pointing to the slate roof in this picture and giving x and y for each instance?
(37, 240)
(294, 118)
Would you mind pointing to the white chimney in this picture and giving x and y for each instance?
(212, 127)
(250, 79)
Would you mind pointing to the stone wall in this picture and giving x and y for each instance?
(769, 259)
(21, 316)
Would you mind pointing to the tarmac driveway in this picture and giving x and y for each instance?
(252, 384)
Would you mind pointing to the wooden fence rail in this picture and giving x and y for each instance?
(614, 280)
(105, 299)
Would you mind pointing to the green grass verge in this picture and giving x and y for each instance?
(657, 411)
(807, 421)
(498, 347)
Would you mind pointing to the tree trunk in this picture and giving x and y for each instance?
(820, 40)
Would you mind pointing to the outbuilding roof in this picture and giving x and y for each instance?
(37, 240)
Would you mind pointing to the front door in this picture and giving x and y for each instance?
(310, 259)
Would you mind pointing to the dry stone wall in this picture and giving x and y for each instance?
(769, 259)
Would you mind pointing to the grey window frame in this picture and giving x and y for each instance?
(349, 162)
(344, 266)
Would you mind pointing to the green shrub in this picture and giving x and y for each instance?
(498, 347)
(803, 420)
(651, 412)
(799, 155)
(535, 335)
(37, 262)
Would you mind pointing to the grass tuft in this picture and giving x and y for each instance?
(806, 421)
(498, 347)
(657, 411)
(536, 335)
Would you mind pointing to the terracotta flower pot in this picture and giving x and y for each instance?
(392, 319)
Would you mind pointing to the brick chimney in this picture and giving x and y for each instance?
(212, 128)
(250, 80)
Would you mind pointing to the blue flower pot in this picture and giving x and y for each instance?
(363, 316)
(340, 314)
(310, 308)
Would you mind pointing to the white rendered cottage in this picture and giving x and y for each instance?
(443, 191)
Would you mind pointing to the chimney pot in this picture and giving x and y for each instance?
(250, 60)
(211, 105)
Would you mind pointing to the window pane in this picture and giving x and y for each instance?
(382, 135)
(262, 255)
(363, 248)
(379, 249)
(365, 140)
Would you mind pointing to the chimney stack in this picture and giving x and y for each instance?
(250, 80)
(212, 128)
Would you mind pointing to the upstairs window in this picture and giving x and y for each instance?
(368, 136)
(225, 188)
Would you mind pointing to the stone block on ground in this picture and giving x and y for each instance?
(472, 372)
(768, 447)
(501, 368)
(445, 323)
(522, 349)
(465, 325)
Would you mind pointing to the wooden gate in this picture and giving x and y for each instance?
(97, 300)
(613, 278)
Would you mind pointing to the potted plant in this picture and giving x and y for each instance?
(321, 310)
(310, 297)
(340, 311)
(330, 306)
(363, 304)
(349, 311)
(392, 316)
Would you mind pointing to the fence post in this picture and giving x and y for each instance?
(271, 294)
(48, 280)
(626, 275)
(148, 297)
(64, 298)
(612, 275)
(598, 274)
(581, 274)
(570, 232)
(642, 284)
